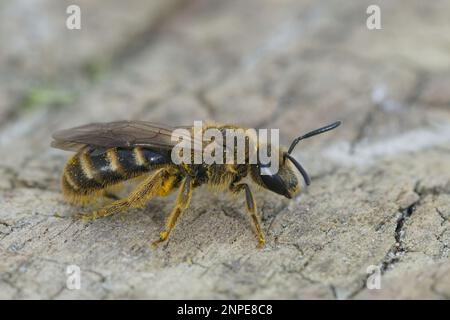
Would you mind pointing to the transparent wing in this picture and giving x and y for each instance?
(119, 134)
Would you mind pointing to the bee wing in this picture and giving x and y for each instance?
(118, 134)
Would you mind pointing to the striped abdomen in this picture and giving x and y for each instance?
(92, 170)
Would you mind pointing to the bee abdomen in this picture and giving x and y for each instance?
(94, 169)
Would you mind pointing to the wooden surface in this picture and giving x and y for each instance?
(380, 192)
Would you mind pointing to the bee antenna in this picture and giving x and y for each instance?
(313, 133)
(300, 168)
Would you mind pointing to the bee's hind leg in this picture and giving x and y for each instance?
(182, 202)
(160, 183)
(251, 208)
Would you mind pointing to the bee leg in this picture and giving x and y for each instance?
(251, 208)
(182, 202)
(160, 183)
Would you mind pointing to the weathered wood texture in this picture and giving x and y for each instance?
(381, 183)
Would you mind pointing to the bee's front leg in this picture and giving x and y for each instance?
(251, 208)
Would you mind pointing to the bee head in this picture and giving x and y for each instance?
(285, 182)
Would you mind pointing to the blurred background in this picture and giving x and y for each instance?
(288, 64)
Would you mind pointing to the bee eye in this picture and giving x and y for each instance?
(273, 182)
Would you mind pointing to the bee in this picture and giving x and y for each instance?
(110, 153)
